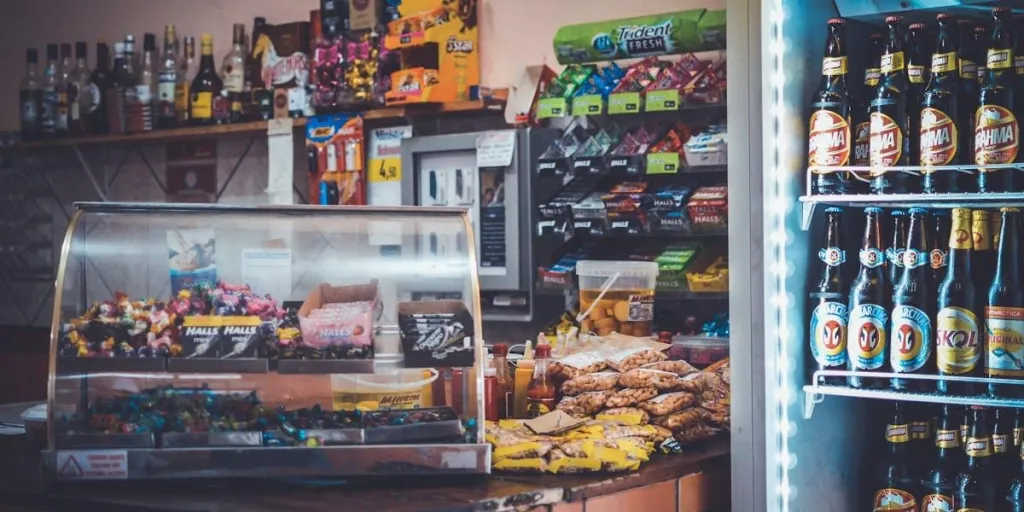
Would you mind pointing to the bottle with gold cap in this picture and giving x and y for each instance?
(206, 86)
(958, 339)
(895, 482)
(975, 491)
(1004, 310)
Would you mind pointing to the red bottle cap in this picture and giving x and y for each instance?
(542, 350)
(837, 21)
(500, 349)
(917, 26)
(942, 16)
(893, 19)
(999, 11)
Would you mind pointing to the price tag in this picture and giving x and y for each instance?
(624, 103)
(495, 149)
(661, 101)
(383, 170)
(587, 105)
(551, 107)
(662, 163)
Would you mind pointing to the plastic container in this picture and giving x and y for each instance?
(404, 389)
(699, 351)
(35, 426)
(628, 305)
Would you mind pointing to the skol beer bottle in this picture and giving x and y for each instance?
(996, 127)
(830, 130)
(975, 491)
(941, 132)
(1004, 310)
(957, 337)
(862, 114)
(940, 481)
(896, 483)
(913, 309)
(890, 124)
(828, 300)
(866, 338)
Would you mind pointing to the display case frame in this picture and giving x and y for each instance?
(143, 460)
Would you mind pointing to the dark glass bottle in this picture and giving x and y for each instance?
(894, 253)
(1002, 443)
(827, 299)
(941, 130)
(957, 337)
(913, 307)
(939, 237)
(918, 73)
(1004, 310)
(974, 488)
(99, 83)
(940, 481)
(890, 123)
(206, 87)
(30, 93)
(862, 116)
(830, 132)
(866, 339)
(983, 259)
(997, 128)
(895, 482)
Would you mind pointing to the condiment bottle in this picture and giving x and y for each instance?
(524, 372)
(540, 396)
(492, 395)
(505, 382)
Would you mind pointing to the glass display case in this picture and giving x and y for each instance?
(195, 341)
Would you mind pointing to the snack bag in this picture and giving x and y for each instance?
(644, 378)
(630, 396)
(600, 381)
(624, 416)
(585, 404)
(580, 363)
(668, 403)
(630, 358)
(680, 368)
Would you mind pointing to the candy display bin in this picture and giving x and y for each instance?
(187, 342)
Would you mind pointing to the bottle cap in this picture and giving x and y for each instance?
(65, 50)
(837, 21)
(32, 55)
(889, 20)
(149, 42)
(873, 210)
(51, 51)
(500, 349)
(916, 26)
(898, 213)
(81, 50)
(917, 211)
(943, 16)
(543, 351)
(833, 209)
(207, 39)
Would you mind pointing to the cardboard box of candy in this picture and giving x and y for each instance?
(337, 321)
(436, 333)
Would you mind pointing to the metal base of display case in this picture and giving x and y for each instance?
(321, 366)
(275, 462)
(78, 365)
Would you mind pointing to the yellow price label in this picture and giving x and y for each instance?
(383, 170)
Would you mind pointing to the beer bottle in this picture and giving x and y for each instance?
(981, 43)
(896, 483)
(828, 300)
(1018, 48)
(830, 137)
(940, 481)
(983, 259)
(939, 236)
(894, 253)
(957, 338)
(862, 124)
(1004, 310)
(965, 425)
(1002, 459)
(917, 79)
(869, 306)
(997, 129)
(941, 132)
(1015, 489)
(967, 100)
(890, 124)
(912, 309)
(921, 443)
(974, 490)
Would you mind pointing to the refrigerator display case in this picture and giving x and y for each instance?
(193, 341)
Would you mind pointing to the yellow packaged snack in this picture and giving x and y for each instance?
(624, 416)
(523, 450)
(532, 465)
(562, 464)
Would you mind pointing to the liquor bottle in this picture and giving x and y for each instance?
(145, 88)
(30, 96)
(233, 72)
(48, 112)
(128, 82)
(828, 300)
(186, 69)
(64, 70)
(894, 253)
(167, 82)
(1004, 310)
(206, 86)
(890, 124)
(918, 74)
(79, 96)
(940, 482)
(939, 237)
(957, 337)
(997, 129)
(830, 135)
(866, 339)
(941, 130)
(99, 83)
(895, 483)
(121, 80)
(913, 309)
(262, 103)
(974, 489)
(861, 115)
(983, 259)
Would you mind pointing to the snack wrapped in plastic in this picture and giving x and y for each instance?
(532, 465)
(695, 433)
(600, 381)
(680, 368)
(644, 378)
(524, 449)
(696, 383)
(715, 389)
(585, 404)
(682, 419)
(630, 358)
(668, 403)
(560, 463)
(629, 397)
(646, 432)
(580, 363)
(624, 415)
(662, 434)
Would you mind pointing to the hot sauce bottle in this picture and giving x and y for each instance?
(504, 381)
(540, 396)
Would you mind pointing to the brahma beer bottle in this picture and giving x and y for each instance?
(913, 309)
(941, 132)
(957, 337)
(830, 137)
(939, 237)
(917, 80)
(828, 300)
(975, 491)
(1004, 311)
(997, 129)
(890, 124)
(896, 483)
(866, 337)
(967, 100)
(940, 481)
(894, 253)
(862, 114)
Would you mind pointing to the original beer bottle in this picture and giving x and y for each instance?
(940, 482)
(1004, 310)
(890, 124)
(957, 338)
(965, 424)
(830, 130)
(894, 253)
(983, 259)
(896, 483)
(862, 114)
(974, 489)
(866, 338)
(828, 300)
(917, 79)
(941, 133)
(997, 129)
(912, 309)
(939, 237)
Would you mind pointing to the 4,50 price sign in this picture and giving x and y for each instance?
(385, 169)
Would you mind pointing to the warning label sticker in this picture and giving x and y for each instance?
(92, 465)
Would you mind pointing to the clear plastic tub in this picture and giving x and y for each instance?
(628, 305)
(700, 351)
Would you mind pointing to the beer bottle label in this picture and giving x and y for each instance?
(202, 105)
(999, 59)
(895, 256)
(829, 139)
(937, 502)
(911, 332)
(892, 62)
(1018, 436)
(957, 340)
(1018, 64)
(964, 429)
(978, 447)
(1005, 328)
(913, 258)
(871, 258)
(943, 62)
(915, 74)
(862, 144)
(828, 334)
(897, 433)
(999, 443)
(968, 69)
(181, 100)
(947, 439)
(939, 258)
(996, 135)
(833, 66)
(865, 339)
(886, 141)
(872, 76)
(938, 137)
(832, 256)
(894, 500)
(920, 430)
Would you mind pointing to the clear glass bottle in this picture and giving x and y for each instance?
(79, 98)
(232, 72)
(127, 81)
(167, 81)
(186, 70)
(48, 112)
(30, 93)
(63, 74)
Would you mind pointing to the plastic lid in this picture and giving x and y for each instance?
(34, 413)
(499, 349)
(591, 268)
(543, 350)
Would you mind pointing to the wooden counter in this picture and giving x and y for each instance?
(694, 481)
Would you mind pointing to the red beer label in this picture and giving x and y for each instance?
(996, 136)
(938, 137)
(894, 500)
(886, 141)
(862, 144)
(829, 139)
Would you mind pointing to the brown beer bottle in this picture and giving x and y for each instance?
(974, 490)
(942, 133)
(997, 129)
(861, 116)
(967, 101)
(828, 299)
(939, 237)
(913, 309)
(890, 123)
(896, 484)
(940, 481)
(983, 259)
(830, 131)
(1002, 460)
(866, 333)
(918, 72)
(1004, 310)
(957, 337)
(894, 253)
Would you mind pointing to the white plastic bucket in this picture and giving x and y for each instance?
(404, 389)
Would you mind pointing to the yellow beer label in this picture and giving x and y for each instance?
(947, 439)
(1018, 64)
(968, 69)
(1005, 328)
(892, 62)
(957, 340)
(872, 76)
(1018, 436)
(920, 430)
(202, 105)
(999, 443)
(897, 433)
(978, 447)
(943, 62)
(894, 500)
(964, 429)
(915, 74)
(938, 137)
(833, 66)
(999, 59)
(980, 222)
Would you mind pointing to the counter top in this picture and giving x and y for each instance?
(20, 485)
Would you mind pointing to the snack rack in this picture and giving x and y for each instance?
(275, 407)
